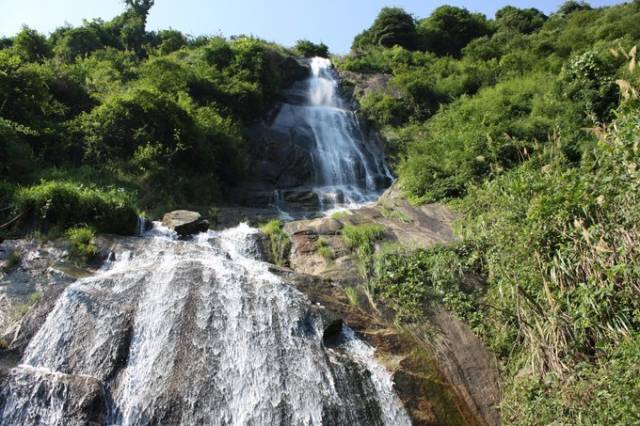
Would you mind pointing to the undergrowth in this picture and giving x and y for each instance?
(279, 242)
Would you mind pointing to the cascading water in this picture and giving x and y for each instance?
(193, 332)
(348, 171)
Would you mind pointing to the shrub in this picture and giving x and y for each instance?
(449, 29)
(65, 204)
(12, 261)
(309, 50)
(83, 244)
(278, 241)
(362, 237)
(324, 249)
(393, 26)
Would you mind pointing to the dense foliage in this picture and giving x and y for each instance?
(159, 115)
(529, 127)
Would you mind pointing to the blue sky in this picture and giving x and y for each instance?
(334, 22)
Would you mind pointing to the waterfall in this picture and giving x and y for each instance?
(193, 332)
(348, 171)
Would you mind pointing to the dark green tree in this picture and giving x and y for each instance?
(140, 7)
(524, 21)
(449, 29)
(572, 6)
(393, 26)
(309, 49)
(31, 46)
(77, 42)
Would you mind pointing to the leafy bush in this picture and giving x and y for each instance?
(309, 49)
(66, 204)
(449, 29)
(361, 238)
(12, 261)
(524, 21)
(409, 282)
(324, 249)
(278, 240)
(83, 244)
(393, 26)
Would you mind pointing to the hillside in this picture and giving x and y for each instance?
(526, 125)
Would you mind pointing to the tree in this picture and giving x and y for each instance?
(525, 21)
(572, 6)
(309, 49)
(77, 42)
(140, 7)
(449, 29)
(31, 46)
(393, 26)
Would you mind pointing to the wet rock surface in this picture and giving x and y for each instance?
(171, 322)
(65, 399)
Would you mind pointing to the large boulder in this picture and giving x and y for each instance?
(185, 222)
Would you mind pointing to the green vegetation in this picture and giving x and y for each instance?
(83, 243)
(390, 213)
(361, 239)
(279, 241)
(12, 261)
(21, 310)
(338, 215)
(309, 50)
(65, 204)
(528, 126)
(353, 295)
(324, 249)
(109, 105)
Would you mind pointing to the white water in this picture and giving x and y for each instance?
(197, 332)
(348, 171)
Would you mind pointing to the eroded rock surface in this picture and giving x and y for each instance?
(409, 226)
(443, 350)
(185, 222)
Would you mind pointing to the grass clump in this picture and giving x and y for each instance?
(22, 309)
(341, 214)
(352, 295)
(324, 249)
(362, 238)
(279, 242)
(12, 261)
(66, 204)
(83, 242)
(394, 214)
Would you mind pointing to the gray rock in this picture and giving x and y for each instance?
(185, 222)
(27, 395)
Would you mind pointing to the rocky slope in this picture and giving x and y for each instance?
(444, 348)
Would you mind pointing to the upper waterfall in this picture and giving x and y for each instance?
(347, 169)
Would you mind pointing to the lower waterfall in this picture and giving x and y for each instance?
(194, 332)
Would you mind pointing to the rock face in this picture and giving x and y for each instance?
(29, 267)
(409, 226)
(66, 399)
(456, 356)
(185, 222)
